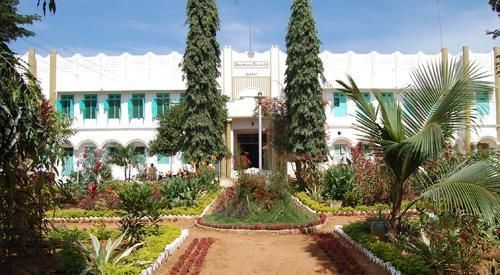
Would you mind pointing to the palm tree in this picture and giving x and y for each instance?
(125, 157)
(415, 130)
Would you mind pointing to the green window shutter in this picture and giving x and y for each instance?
(106, 105)
(182, 97)
(388, 98)
(163, 159)
(339, 105)
(130, 109)
(154, 106)
(367, 97)
(483, 104)
(142, 108)
(59, 106)
(71, 108)
(82, 106)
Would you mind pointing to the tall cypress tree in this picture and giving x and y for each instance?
(305, 112)
(205, 107)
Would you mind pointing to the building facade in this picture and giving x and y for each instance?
(118, 99)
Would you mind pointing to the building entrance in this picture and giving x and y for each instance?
(248, 144)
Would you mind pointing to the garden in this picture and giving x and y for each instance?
(422, 206)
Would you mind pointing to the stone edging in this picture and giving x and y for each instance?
(299, 202)
(116, 219)
(249, 231)
(169, 251)
(386, 265)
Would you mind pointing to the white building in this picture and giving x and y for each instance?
(117, 98)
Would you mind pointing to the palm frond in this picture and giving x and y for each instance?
(473, 188)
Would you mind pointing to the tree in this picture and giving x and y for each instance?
(305, 112)
(414, 131)
(125, 157)
(205, 110)
(30, 135)
(168, 139)
(495, 6)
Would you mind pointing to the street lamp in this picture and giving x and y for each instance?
(259, 98)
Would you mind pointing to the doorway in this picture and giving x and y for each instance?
(248, 143)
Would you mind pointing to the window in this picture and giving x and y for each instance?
(140, 152)
(483, 103)
(163, 159)
(339, 105)
(182, 97)
(88, 106)
(112, 106)
(111, 150)
(340, 152)
(388, 98)
(136, 106)
(68, 162)
(367, 97)
(90, 151)
(161, 105)
(65, 105)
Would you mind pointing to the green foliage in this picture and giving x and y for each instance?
(360, 232)
(256, 200)
(280, 212)
(449, 243)
(29, 145)
(194, 210)
(100, 256)
(339, 180)
(68, 254)
(324, 208)
(185, 191)
(305, 112)
(126, 157)
(136, 201)
(12, 22)
(168, 139)
(82, 213)
(148, 253)
(417, 129)
(204, 112)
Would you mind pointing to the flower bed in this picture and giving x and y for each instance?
(156, 249)
(191, 261)
(263, 227)
(385, 254)
(82, 215)
(338, 254)
(360, 210)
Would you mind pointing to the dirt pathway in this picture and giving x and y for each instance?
(234, 253)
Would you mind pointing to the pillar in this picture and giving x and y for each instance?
(229, 141)
(52, 80)
(32, 62)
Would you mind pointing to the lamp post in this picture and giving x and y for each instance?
(259, 98)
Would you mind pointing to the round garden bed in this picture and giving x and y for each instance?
(264, 228)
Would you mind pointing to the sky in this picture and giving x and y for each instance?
(112, 27)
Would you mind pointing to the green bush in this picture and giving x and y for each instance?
(324, 208)
(136, 200)
(338, 180)
(194, 210)
(146, 254)
(82, 213)
(185, 191)
(360, 232)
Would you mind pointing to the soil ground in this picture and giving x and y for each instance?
(238, 253)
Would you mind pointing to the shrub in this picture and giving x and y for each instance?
(371, 176)
(138, 204)
(360, 232)
(185, 191)
(338, 181)
(449, 243)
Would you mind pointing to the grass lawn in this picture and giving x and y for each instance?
(280, 213)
